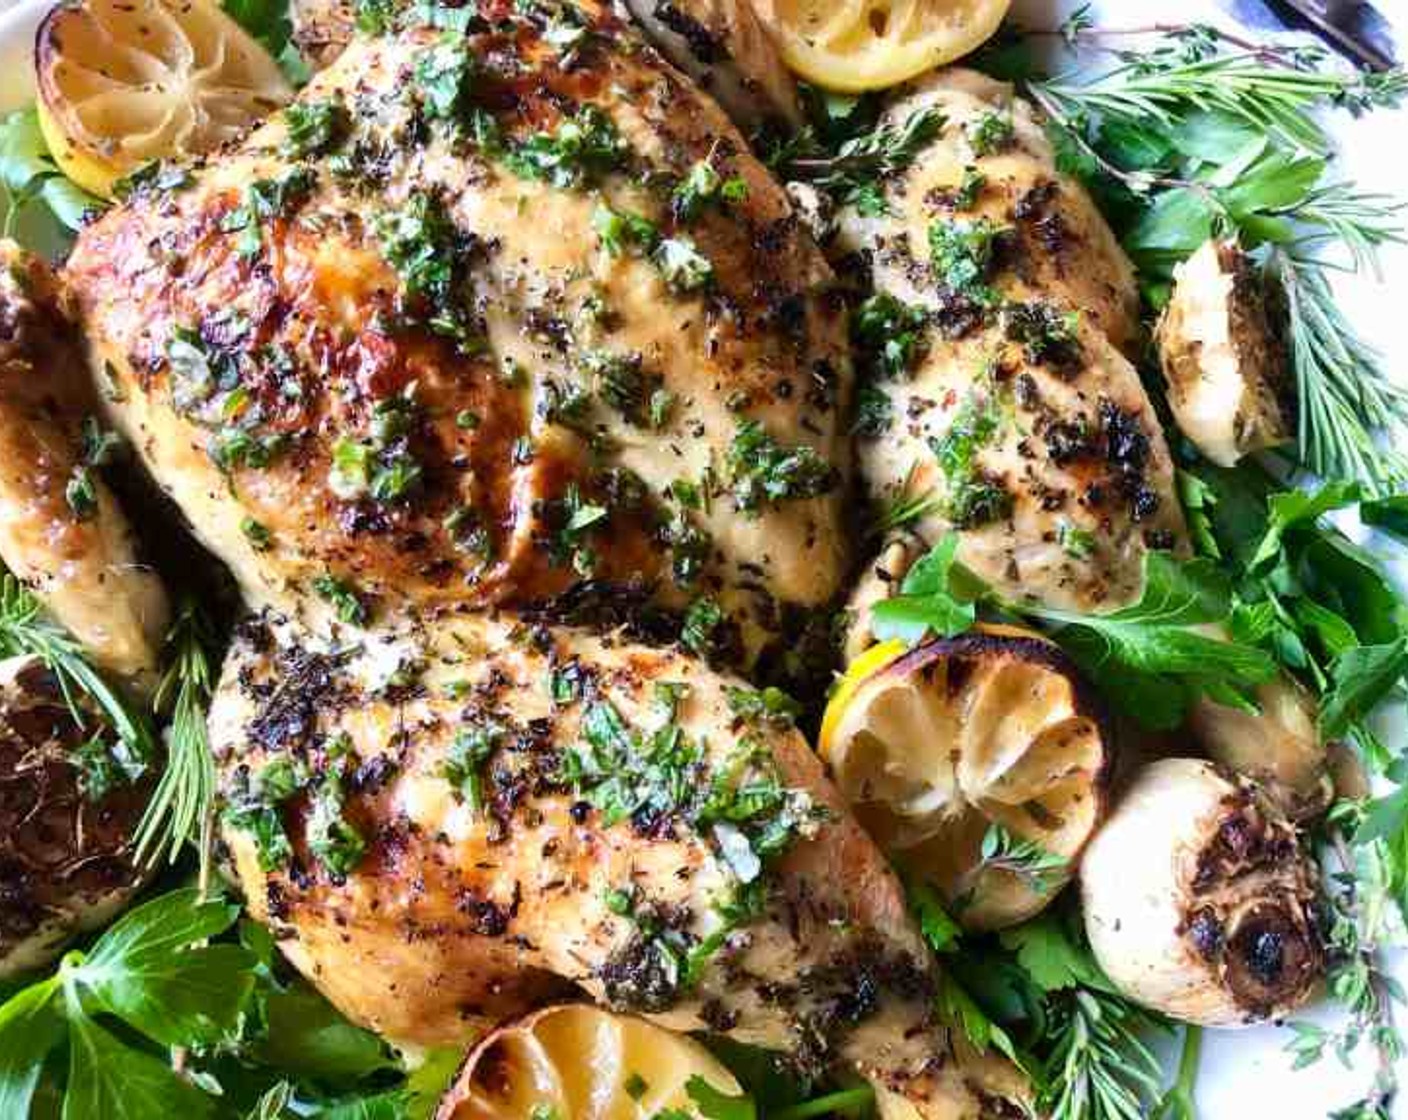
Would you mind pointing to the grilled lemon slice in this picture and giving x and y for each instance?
(978, 762)
(122, 82)
(855, 45)
(576, 1062)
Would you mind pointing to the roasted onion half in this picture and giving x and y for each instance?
(65, 863)
(1200, 899)
(978, 762)
(576, 1062)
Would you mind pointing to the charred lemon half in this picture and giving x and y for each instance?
(978, 762)
(857, 45)
(123, 82)
(578, 1062)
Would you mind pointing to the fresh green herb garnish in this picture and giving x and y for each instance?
(181, 809)
(582, 150)
(855, 174)
(763, 470)
(344, 599)
(473, 745)
(314, 127)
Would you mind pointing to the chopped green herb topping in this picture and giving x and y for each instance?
(344, 599)
(768, 706)
(334, 841)
(431, 257)
(889, 334)
(255, 804)
(661, 776)
(575, 519)
(258, 536)
(620, 230)
(763, 470)
(444, 77)
(963, 252)
(474, 743)
(703, 627)
(1048, 335)
(992, 132)
(582, 150)
(874, 412)
(683, 266)
(314, 127)
(265, 199)
(974, 498)
(703, 187)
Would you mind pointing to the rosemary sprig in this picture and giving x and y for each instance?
(1348, 405)
(1244, 86)
(1100, 1068)
(26, 629)
(181, 807)
(1345, 395)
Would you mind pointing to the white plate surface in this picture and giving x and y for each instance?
(1245, 1075)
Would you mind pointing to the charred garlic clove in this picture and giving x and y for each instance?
(1278, 746)
(979, 763)
(578, 1062)
(1200, 901)
(1223, 360)
(65, 821)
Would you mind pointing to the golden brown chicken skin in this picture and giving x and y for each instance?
(470, 324)
(1011, 406)
(61, 530)
(530, 808)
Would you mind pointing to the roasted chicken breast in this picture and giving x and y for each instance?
(444, 829)
(469, 324)
(62, 532)
(996, 381)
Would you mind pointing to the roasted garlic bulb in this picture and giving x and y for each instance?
(1278, 746)
(979, 763)
(1200, 900)
(578, 1062)
(1222, 358)
(65, 819)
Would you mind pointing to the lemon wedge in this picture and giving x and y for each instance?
(122, 82)
(851, 46)
(577, 1062)
(979, 763)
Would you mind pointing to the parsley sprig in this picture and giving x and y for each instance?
(1148, 657)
